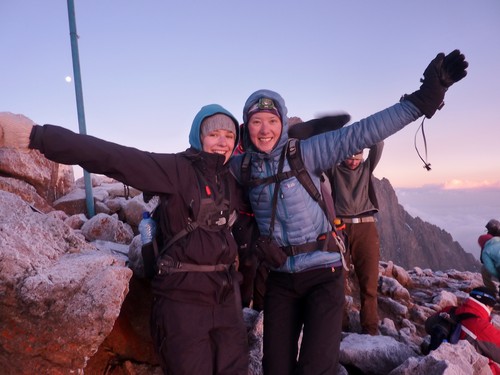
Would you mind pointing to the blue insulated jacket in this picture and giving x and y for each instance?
(299, 219)
(491, 256)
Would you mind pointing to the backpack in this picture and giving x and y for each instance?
(322, 196)
(211, 216)
(445, 327)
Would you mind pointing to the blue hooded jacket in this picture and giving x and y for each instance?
(299, 219)
(491, 256)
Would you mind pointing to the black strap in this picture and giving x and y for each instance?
(457, 318)
(188, 229)
(291, 250)
(245, 169)
(246, 174)
(193, 223)
(297, 164)
(298, 170)
(275, 193)
(168, 265)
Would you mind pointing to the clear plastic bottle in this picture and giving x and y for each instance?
(147, 228)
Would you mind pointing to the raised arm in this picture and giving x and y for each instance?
(140, 169)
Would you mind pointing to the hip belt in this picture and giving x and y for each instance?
(292, 250)
(168, 265)
(357, 220)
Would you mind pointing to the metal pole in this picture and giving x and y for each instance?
(79, 100)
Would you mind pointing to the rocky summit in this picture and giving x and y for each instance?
(73, 300)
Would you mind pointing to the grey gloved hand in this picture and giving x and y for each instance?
(15, 130)
(441, 73)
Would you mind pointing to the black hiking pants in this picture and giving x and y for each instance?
(192, 338)
(311, 301)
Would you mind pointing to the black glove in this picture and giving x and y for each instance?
(316, 126)
(441, 73)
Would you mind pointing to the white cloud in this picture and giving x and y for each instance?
(464, 184)
(462, 212)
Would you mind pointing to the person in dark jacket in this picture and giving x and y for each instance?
(197, 322)
(305, 285)
(356, 204)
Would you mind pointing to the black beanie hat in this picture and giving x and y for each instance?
(493, 227)
(484, 295)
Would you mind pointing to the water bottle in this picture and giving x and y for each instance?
(147, 228)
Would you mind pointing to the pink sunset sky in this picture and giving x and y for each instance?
(147, 67)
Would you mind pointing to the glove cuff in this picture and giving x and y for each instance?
(427, 104)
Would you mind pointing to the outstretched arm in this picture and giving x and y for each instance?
(442, 72)
(143, 170)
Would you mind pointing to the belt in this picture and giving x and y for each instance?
(292, 250)
(166, 266)
(357, 220)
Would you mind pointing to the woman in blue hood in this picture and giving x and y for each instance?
(196, 322)
(305, 286)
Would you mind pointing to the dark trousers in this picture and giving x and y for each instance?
(364, 248)
(200, 339)
(312, 301)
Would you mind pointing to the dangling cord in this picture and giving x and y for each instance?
(427, 165)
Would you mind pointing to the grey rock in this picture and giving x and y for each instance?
(373, 354)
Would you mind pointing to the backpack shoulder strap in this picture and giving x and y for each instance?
(297, 165)
(297, 169)
(323, 197)
(457, 318)
(248, 182)
(245, 168)
(460, 317)
(194, 222)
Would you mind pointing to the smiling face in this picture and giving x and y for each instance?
(219, 141)
(264, 129)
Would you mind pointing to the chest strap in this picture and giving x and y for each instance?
(167, 265)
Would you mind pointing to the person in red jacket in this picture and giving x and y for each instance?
(478, 329)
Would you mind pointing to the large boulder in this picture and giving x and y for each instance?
(373, 354)
(60, 295)
(448, 359)
(50, 180)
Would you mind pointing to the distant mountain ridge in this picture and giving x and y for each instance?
(411, 242)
